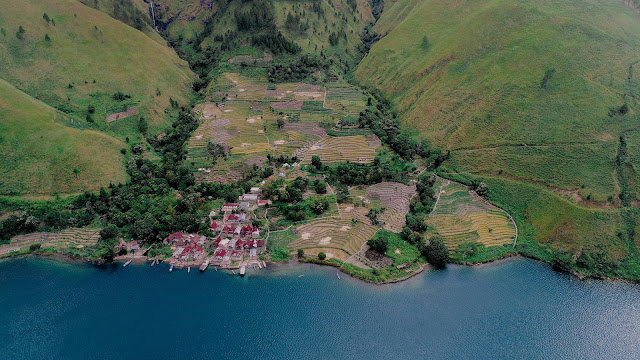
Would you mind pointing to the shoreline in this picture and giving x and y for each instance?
(74, 260)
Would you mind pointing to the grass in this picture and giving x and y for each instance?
(39, 154)
(544, 147)
(87, 45)
(339, 149)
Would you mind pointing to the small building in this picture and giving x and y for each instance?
(229, 206)
(255, 190)
(264, 202)
(213, 226)
(244, 206)
(248, 197)
(402, 266)
(133, 245)
(236, 255)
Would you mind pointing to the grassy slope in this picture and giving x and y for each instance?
(39, 155)
(87, 45)
(477, 91)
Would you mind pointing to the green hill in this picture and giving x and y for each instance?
(528, 96)
(77, 56)
(41, 156)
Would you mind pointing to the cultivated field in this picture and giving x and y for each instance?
(333, 234)
(343, 148)
(65, 239)
(460, 217)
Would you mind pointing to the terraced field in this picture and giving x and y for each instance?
(344, 99)
(343, 148)
(333, 234)
(65, 239)
(461, 217)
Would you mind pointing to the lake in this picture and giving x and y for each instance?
(516, 309)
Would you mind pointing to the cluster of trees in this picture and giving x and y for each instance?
(297, 70)
(294, 25)
(259, 16)
(334, 37)
(276, 43)
(217, 151)
(383, 168)
(385, 124)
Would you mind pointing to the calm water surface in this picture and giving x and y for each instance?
(515, 309)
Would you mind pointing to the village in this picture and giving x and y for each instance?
(234, 242)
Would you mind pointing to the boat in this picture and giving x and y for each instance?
(338, 275)
(153, 262)
(171, 268)
(254, 268)
(259, 265)
(216, 268)
(264, 263)
(127, 263)
(204, 266)
(189, 269)
(242, 270)
(233, 272)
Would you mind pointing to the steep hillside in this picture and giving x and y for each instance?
(72, 56)
(532, 97)
(205, 30)
(40, 156)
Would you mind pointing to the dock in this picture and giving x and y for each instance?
(204, 265)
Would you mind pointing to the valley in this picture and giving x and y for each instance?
(430, 133)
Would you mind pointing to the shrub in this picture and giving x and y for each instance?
(300, 253)
(436, 252)
(322, 255)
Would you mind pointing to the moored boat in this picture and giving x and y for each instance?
(127, 263)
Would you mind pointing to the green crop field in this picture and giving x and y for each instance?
(40, 156)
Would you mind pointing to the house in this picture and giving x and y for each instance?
(260, 243)
(402, 266)
(248, 197)
(213, 226)
(264, 202)
(216, 242)
(255, 190)
(237, 218)
(229, 206)
(244, 206)
(174, 238)
(236, 255)
(133, 245)
(219, 254)
(255, 233)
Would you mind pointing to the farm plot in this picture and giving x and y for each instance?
(65, 239)
(461, 217)
(332, 233)
(245, 88)
(344, 99)
(344, 148)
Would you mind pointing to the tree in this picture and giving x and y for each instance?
(91, 109)
(47, 38)
(322, 255)
(379, 244)
(425, 43)
(436, 252)
(46, 17)
(20, 32)
(109, 232)
(280, 122)
(320, 186)
(143, 126)
(76, 171)
(319, 206)
(316, 162)
(300, 253)
(342, 194)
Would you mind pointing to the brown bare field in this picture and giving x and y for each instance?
(333, 233)
(122, 114)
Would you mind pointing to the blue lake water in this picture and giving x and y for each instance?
(513, 309)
